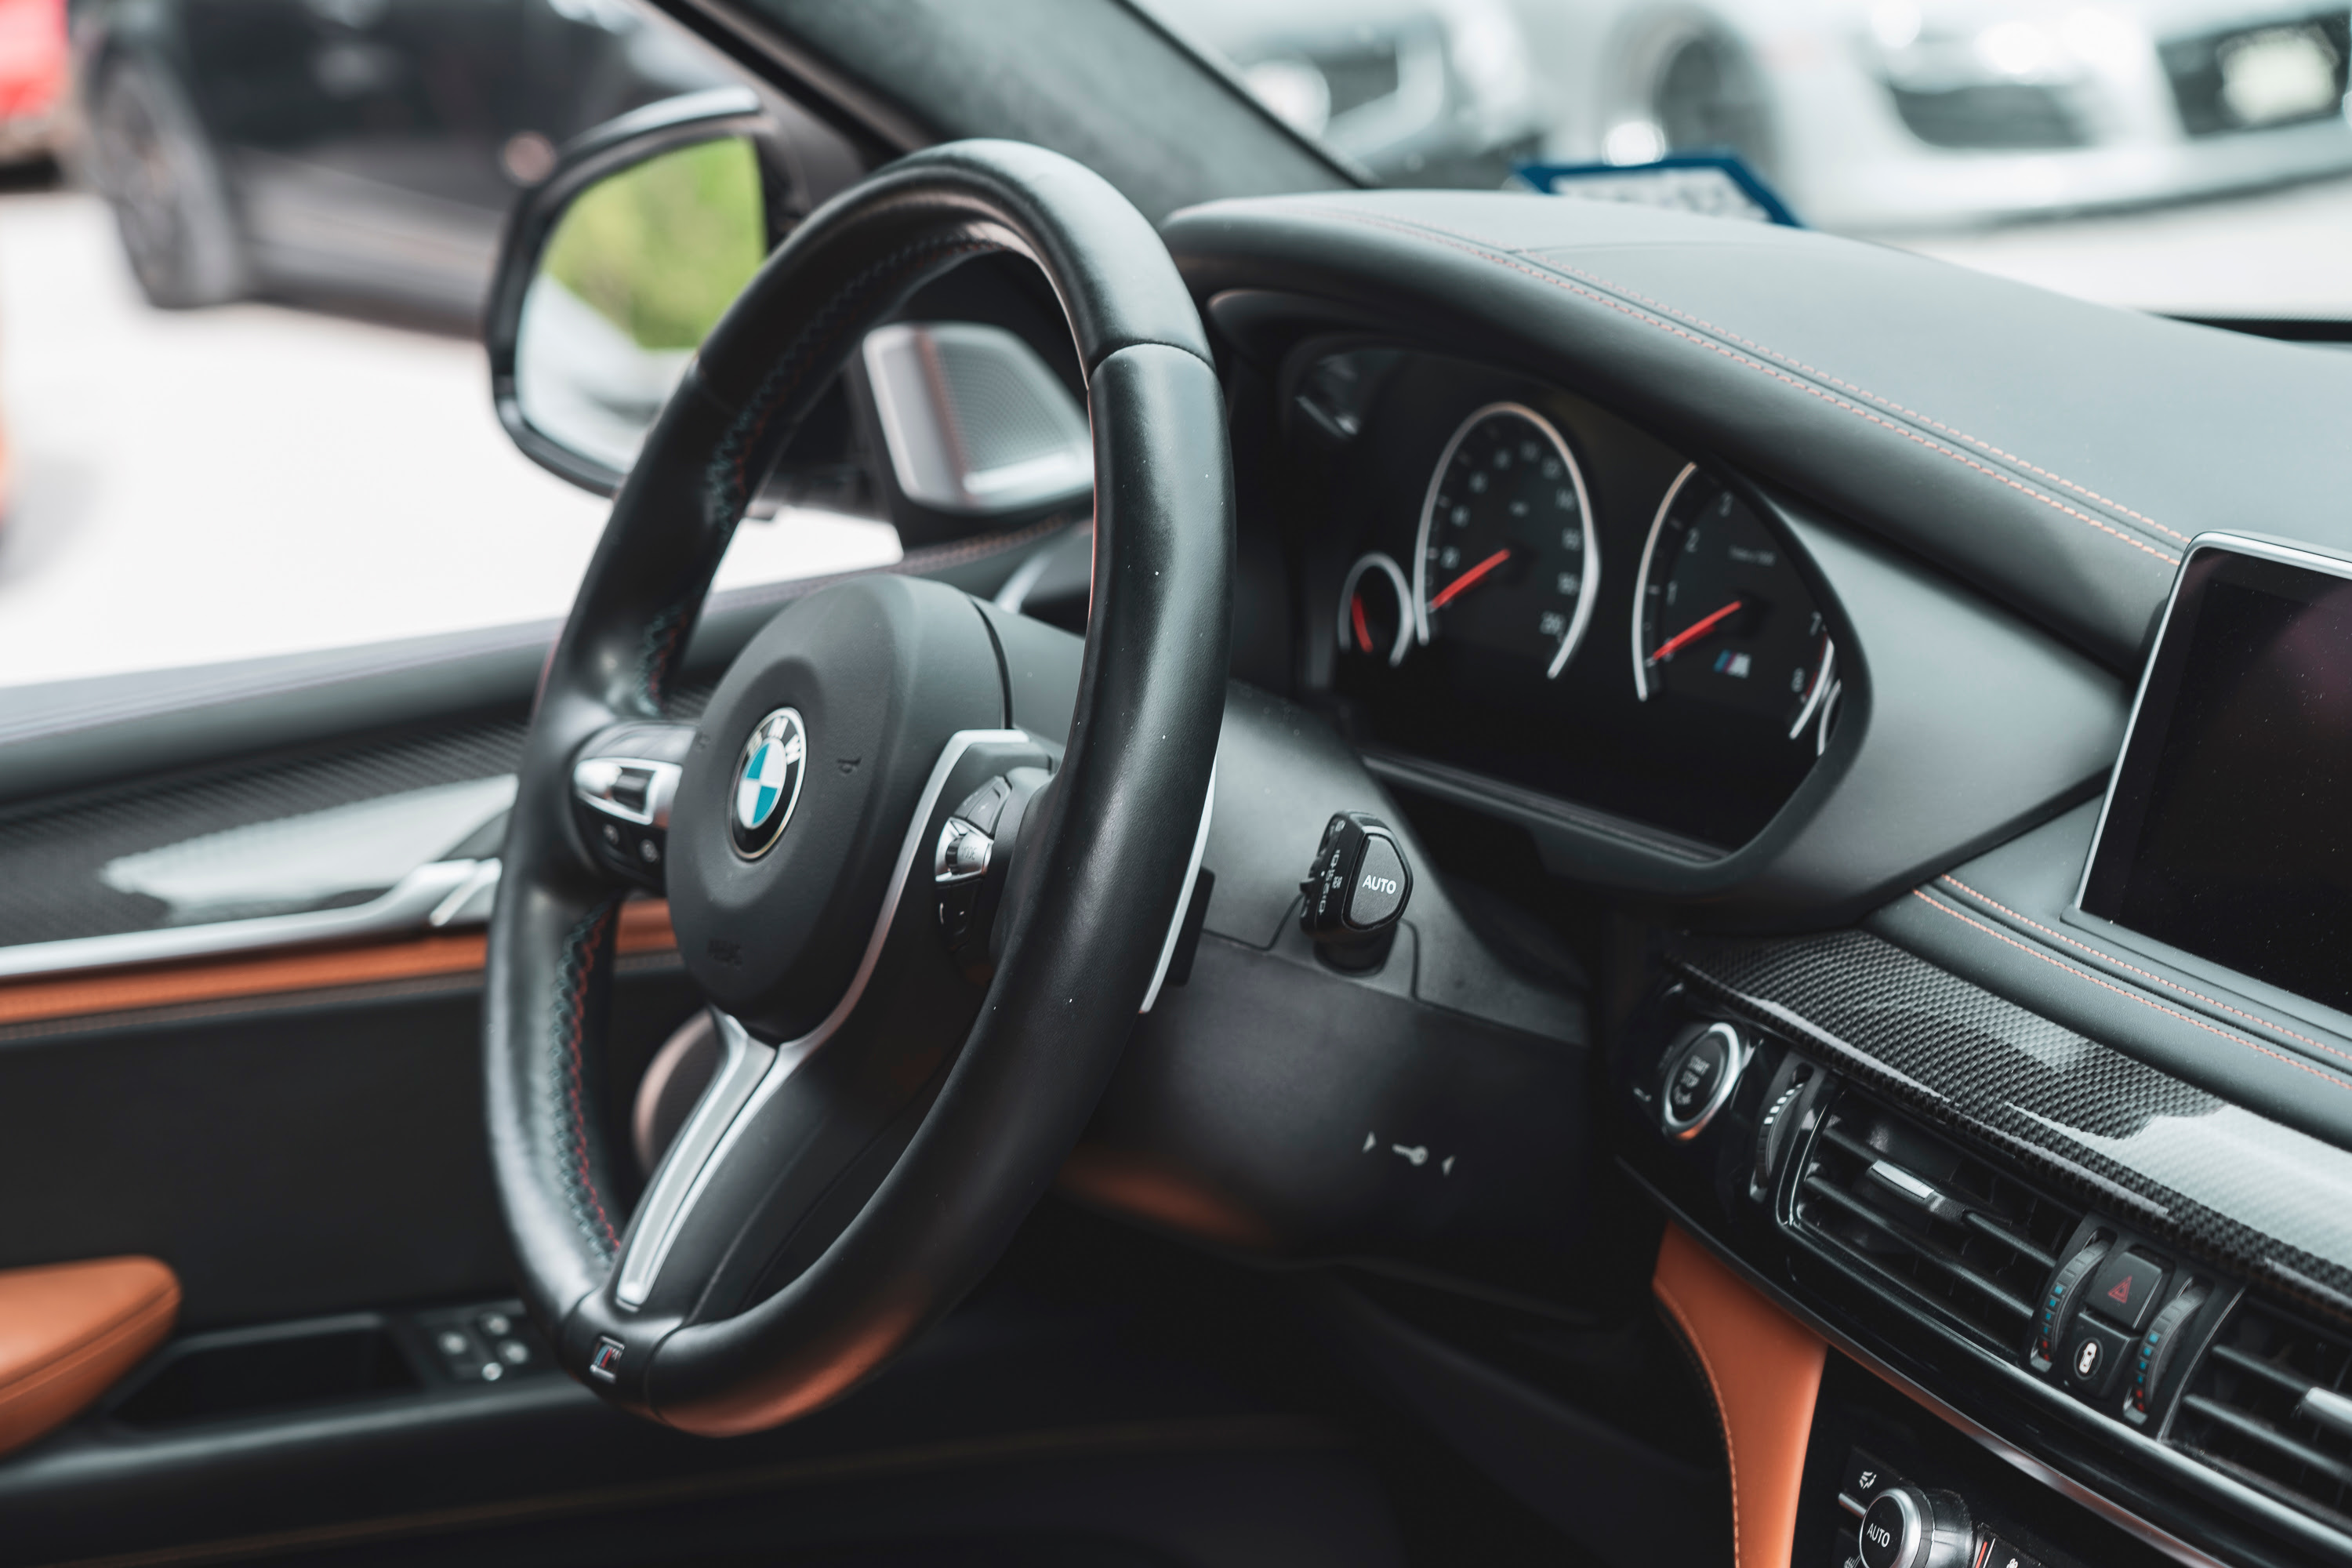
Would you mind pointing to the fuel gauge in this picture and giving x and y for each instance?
(1375, 620)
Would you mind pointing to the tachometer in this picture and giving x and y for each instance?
(1506, 557)
(1376, 609)
(1720, 612)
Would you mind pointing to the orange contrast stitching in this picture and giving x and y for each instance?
(1556, 276)
(1862, 392)
(2065, 967)
(2148, 974)
(1715, 1386)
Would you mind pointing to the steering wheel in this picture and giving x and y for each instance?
(881, 1120)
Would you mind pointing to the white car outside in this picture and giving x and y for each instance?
(1868, 115)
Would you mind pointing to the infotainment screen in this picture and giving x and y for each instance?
(2227, 829)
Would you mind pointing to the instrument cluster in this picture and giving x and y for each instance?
(1513, 584)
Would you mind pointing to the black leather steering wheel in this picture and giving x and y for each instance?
(881, 1123)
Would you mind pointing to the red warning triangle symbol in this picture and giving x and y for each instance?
(2121, 1294)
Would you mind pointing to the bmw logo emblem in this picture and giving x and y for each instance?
(768, 783)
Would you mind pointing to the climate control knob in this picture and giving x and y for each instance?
(1907, 1528)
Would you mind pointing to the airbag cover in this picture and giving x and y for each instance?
(880, 671)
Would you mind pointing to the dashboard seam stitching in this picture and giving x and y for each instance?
(2061, 964)
(1886, 403)
(1559, 277)
(1794, 363)
(2146, 973)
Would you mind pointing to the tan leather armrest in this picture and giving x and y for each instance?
(1765, 1370)
(68, 1331)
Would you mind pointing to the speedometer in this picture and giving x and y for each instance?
(1507, 558)
(1721, 614)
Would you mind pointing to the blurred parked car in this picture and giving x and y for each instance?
(1415, 91)
(353, 148)
(32, 78)
(1867, 114)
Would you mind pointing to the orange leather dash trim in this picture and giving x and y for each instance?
(68, 1331)
(1765, 1368)
(644, 928)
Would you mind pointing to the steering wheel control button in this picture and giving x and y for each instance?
(2093, 1350)
(1355, 892)
(984, 806)
(970, 865)
(2056, 1301)
(1862, 1479)
(962, 853)
(1700, 1073)
(623, 788)
(768, 778)
(1907, 1528)
(2125, 1289)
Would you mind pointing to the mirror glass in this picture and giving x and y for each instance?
(638, 269)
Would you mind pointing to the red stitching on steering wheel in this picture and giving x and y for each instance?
(583, 950)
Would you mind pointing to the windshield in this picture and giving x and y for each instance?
(244, 403)
(2187, 156)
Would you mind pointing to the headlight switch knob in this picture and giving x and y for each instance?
(1356, 891)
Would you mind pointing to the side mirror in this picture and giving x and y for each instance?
(615, 268)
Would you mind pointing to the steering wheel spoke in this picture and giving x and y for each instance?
(783, 1128)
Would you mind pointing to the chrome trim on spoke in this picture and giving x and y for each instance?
(745, 1062)
(593, 778)
(1184, 900)
(641, 1265)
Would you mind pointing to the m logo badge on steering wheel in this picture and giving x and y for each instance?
(768, 783)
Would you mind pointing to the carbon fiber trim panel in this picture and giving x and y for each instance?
(52, 851)
(2214, 1178)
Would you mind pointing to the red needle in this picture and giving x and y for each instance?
(1363, 632)
(1454, 590)
(1695, 631)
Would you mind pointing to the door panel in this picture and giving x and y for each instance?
(288, 1155)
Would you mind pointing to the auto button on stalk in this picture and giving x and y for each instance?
(1355, 892)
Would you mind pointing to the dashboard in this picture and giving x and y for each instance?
(1521, 589)
(1806, 665)
(1789, 594)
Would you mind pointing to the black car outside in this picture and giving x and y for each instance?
(347, 150)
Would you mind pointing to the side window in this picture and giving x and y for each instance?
(244, 404)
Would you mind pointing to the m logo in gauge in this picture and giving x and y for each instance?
(768, 783)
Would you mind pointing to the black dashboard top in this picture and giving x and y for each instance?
(2061, 455)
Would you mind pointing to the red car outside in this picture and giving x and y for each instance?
(32, 77)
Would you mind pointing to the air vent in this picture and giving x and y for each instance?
(2268, 1404)
(1944, 1227)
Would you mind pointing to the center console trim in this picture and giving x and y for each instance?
(2041, 1470)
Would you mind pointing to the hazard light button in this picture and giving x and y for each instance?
(2125, 1289)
